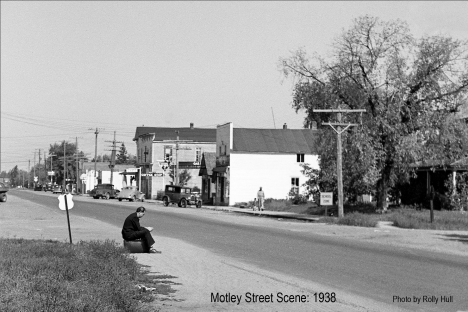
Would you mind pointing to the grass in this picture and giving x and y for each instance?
(38, 275)
(364, 214)
(414, 219)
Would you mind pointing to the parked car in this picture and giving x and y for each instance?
(48, 187)
(3, 190)
(131, 193)
(105, 191)
(38, 187)
(181, 195)
(57, 189)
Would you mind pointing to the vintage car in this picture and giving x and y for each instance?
(105, 191)
(57, 189)
(181, 195)
(131, 193)
(3, 190)
(48, 187)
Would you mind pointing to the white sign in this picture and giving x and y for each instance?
(326, 199)
(51, 173)
(132, 170)
(35, 179)
(69, 201)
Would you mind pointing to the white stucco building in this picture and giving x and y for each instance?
(247, 159)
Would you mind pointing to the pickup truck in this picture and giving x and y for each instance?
(3, 190)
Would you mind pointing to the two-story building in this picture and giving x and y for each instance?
(162, 151)
(247, 159)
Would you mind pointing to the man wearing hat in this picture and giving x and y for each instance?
(132, 230)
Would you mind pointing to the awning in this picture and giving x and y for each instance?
(220, 169)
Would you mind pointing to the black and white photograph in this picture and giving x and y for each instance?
(233, 156)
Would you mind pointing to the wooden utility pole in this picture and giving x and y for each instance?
(95, 152)
(340, 128)
(112, 160)
(177, 148)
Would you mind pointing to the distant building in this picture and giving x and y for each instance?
(160, 148)
(103, 175)
(247, 159)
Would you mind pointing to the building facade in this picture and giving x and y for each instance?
(161, 152)
(247, 159)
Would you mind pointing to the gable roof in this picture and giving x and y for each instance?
(163, 133)
(297, 141)
(207, 164)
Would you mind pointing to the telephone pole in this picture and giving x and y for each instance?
(95, 151)
(112, 160)
(177, 148)
(339, 130)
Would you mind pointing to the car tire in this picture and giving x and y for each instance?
(166, 201)
(183, 203)
(143, 198)
(3, 197)
(107, 196)
(95, 197)
(120, 199)
(199, 204)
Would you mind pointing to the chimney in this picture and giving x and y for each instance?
(191, 125)
(285, 126)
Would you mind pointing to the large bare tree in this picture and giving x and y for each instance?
(408, 87)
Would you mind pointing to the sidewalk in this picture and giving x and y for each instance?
(265, 213)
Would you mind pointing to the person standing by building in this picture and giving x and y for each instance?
(261, 199)
(132, 230)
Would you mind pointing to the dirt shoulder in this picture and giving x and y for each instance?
(199, 276)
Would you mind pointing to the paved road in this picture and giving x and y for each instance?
(385, 274)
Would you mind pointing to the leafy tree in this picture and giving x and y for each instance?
(122, 156)
(408, 87)
(184, 176)
(14, 176)
(60, 164)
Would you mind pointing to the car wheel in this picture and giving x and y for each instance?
(107, 195)
(198, 204)
(166, 201)
(143, 198)
(120, 199)
(183, 203)
(95, 197)
(133, 198)
(3, 197)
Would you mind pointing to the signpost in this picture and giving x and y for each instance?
(326, 199)
(66, 203)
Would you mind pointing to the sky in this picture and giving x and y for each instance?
(69, 67)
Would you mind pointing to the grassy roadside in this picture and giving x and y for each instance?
(45, 275)
(365, 215)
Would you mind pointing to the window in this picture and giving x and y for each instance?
(167, 153)
(300, 158)
(295, 185)
(198, 155)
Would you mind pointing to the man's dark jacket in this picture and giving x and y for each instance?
(132, 226)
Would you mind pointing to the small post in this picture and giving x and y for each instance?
(431, 202)
(68, 219)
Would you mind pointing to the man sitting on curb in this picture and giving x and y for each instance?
(132, 230)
